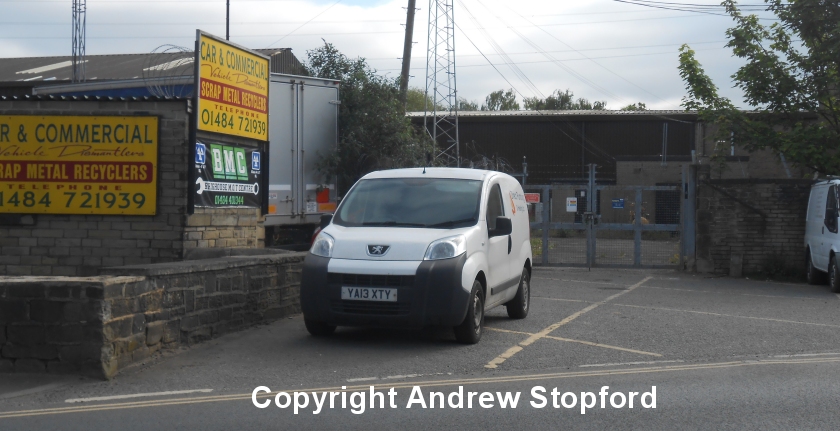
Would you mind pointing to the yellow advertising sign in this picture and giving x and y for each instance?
(232, 89)
(78, 165)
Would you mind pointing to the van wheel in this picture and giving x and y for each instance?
(469, 332)
(517, 308)
(813, 275)
(833, 275)
(318, 329)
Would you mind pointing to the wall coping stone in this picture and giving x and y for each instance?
(57, 280)
(212, 253)
(737, 181)
(192, 266)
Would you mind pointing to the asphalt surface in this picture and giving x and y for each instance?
(722, 353)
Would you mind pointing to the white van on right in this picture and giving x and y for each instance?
(822, 240)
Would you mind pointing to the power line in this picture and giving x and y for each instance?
(575, 50)
(567, 59)
(335, 22)
(307, 22)
(584, 147)
(593, 61)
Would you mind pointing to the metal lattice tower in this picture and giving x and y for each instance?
(441, 91)
(79, 12)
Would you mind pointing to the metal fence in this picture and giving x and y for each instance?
(608, 225)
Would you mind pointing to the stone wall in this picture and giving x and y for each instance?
(748, 226)
(224, 227)
(99, 325)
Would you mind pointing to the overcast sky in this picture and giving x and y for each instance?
(600, 49)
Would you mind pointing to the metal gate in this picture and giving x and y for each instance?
(587, 224)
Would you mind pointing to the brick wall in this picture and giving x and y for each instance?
(748, 226)
(99, 325)
(56, 244)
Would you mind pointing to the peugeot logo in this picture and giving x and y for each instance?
(377, 250)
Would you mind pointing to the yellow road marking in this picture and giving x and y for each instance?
(433, 383)
(727, 315)
(588, 343)
(542, 334)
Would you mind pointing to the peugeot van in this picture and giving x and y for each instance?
(421, 247)
(822, 241)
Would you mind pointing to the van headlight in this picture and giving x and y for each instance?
(446, 248)
(323, 245)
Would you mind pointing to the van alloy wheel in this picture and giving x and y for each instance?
(478, 314)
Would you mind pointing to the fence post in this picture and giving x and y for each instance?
(546, 198)
(637, 230)
(591, 207)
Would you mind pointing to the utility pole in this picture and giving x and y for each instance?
(406, 60)
(227, 22)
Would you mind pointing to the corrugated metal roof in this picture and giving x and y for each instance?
(93, 98)
(119, 66)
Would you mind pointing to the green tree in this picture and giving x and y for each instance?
(467, 105)
(639, 106)
(374, 132)
(790, 80)
(562, 101)
(500, 100)
(417, 101)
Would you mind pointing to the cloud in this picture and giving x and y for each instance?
(600, 49)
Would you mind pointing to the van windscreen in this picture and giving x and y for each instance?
(442, 203)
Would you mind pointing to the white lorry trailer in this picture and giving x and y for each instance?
(303, 128)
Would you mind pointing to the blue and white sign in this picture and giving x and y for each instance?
(618, 203)
(200, 153)
(255, 161)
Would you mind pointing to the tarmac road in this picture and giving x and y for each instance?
(722, 354)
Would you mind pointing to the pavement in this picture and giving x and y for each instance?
(722, 353)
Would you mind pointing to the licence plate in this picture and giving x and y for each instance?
(368, 294)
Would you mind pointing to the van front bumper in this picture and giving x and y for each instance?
(433, 296)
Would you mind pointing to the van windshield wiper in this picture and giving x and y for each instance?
(392, 223)
(452, 222)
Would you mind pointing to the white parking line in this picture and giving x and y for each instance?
(588, 343)
(579, 281)
(799, 355)
(718, 292)
(561, 299)
(708, 313)
(149, 394)
(629, 363)
(363, 379)
(494, 363)
(398, 376)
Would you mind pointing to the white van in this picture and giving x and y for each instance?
(421, 247)
(822, 241)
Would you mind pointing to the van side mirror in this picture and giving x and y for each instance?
(503, 227)
(325, 220)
